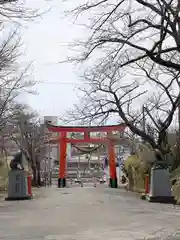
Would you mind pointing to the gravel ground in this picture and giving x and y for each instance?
(87, 213)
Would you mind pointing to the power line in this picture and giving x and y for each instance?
(59, 83)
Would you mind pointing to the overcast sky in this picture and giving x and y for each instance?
(45, 42)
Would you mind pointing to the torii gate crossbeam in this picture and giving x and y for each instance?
(63, 140)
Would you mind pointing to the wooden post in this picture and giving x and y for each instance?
(146, 184)
(29, 183)
(86, 136)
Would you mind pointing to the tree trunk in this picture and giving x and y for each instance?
(35, 179)
(38, 174)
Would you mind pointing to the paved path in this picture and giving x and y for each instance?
(86, 213)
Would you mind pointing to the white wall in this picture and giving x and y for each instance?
(53, 119)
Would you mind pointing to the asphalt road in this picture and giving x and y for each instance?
(87, 213)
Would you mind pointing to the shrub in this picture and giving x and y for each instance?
(136, 170)
(3, 173)
(136, 166)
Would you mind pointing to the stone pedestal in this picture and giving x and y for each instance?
(160, 186)
(18, 186)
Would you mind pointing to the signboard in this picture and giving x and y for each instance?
(69, 157)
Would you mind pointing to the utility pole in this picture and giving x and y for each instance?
(143, 121)
(49, 164)
(179, 123)
(178, 137)
(45, 171)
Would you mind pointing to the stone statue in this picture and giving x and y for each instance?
(160, 160)
(19, 180)
(16, 162)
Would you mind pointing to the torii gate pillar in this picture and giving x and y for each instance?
(113, 183)
(62, 160)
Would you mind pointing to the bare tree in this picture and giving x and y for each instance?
(110, 92)
(15, 10)
(13, 79)
(129, 31)
(28, 134)
(133, 48)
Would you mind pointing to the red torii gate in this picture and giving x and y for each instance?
(63, 140)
